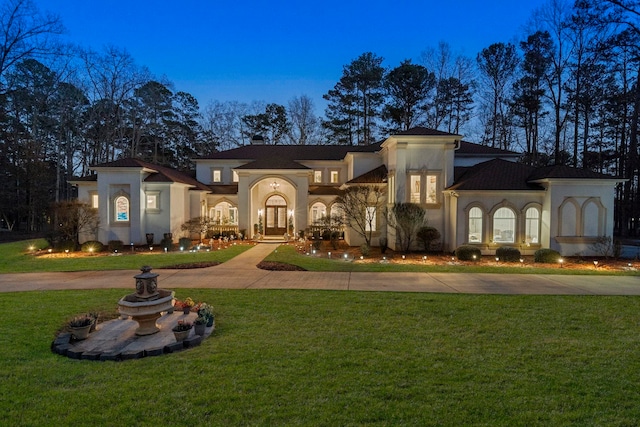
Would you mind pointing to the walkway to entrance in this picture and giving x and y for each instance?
(241, 273)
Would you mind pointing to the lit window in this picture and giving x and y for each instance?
(152, 201)
(532, 225)
(233, 215)
(432, 189)
(235, 176)
(504, 224)
(475, 225)
(122, 208)
(370, 218)
(318, 212)
(94, 201)
(414, 182)
(317, 176)
(217, 175)
(334, 177)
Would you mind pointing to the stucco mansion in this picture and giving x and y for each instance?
(472, 194)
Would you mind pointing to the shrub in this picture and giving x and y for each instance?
(115, 245)
(166, 243)
(316, 244)
(467, 252)
(184, 243)
(508, 254)
(427, 235)
(383, 244)
(365, 250)
(546, 256)
(87, 246)
(65, 245)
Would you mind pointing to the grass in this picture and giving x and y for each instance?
(16, 257)
(338, 358)
(289, 255)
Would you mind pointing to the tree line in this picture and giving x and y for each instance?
(565, 93)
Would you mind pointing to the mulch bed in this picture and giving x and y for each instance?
(279, 266)
(203, 264)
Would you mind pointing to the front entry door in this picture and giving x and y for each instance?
(276, 216)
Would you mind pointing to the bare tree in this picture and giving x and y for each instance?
(25, 33)
(361, 205)
(497, 64)
(407, 219)
(304, 122)
(223, 126)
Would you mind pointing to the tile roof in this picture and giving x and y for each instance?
(160, 174)
(566, 172)
(292, 152)
(88, 178)
(224, 189)
(325, 190)
(422, 131)
(273, 163)
(374, 176)
(495, 174)
(471, 149)
(499, 174)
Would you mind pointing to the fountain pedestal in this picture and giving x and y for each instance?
(146, 305)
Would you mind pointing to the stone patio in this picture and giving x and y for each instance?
(116, 340)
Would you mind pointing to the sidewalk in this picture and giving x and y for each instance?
(241, 273)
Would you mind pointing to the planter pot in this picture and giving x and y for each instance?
(199, 329)
(182, 335)
(93, 325)
(80, 333)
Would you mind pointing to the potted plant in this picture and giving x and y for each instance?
(79, 327)
(206, 311)
(199, 325)
(186, 305)
(181, 330)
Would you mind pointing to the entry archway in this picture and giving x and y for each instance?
(275, 216)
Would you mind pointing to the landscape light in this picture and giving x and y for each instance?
(403, 257)
(424, 258)
(560, 261)
(595, 263)
(329, 253)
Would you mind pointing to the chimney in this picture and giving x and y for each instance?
(257, 140)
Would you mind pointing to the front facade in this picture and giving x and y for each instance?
(472, 194)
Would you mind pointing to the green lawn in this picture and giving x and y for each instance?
(17, 257)
(288, 254)
(338, 358)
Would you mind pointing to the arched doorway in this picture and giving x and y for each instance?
(275, 216)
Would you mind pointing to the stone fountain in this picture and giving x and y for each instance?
(147, 303)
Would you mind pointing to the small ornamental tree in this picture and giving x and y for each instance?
(200, 225)
(74, 218)
(427, 235)
(360, 205)
(407, 219)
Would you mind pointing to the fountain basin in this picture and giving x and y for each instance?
(146, 312)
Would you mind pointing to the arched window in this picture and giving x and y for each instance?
(224, 213)
(318, 212)
(122, 209)
(532, 225)
(504, 225)
(475, 225)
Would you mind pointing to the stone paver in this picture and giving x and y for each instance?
(241, 273)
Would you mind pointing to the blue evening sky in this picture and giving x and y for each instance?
(272, 51)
